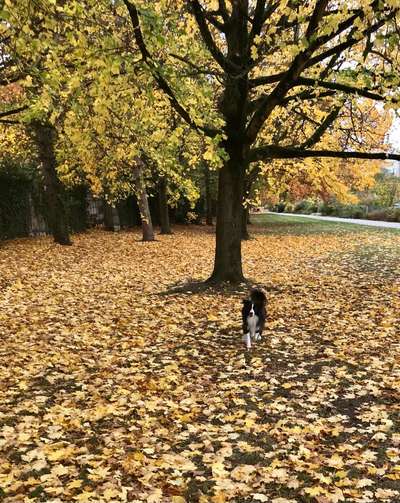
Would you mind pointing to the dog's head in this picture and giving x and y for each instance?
(258, 297)
(248, 307)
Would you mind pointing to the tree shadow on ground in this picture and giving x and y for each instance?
(194, 287)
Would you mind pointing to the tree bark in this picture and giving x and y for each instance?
(208, 199)
(228, 250)
(165, 227)
(143, 203)
(45, 137)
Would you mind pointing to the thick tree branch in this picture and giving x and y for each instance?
(302, 96)
(314, 139)
(318, 13)
(330, 66)
(306, 95)
(336, 86)
(266, 79)
(161, 81)
(224, 11)
(258, 20)
(286, 82)
(9, 122)
(211, 17)
(276, 152)
(14, 111)
(199, 15)
(318, 133)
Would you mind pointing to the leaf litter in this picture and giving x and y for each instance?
(116, 388)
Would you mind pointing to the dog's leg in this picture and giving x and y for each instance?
(247, 340)
(260, 329)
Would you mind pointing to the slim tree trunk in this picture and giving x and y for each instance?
(45, 137)
(245, 211)
(163, 204)
(228, 250)
(245, 222)
(111, 217)
(208, 199)
(143, 203)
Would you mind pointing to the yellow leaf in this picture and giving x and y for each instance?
(59, 470)
(219, 497)
(155, 496)
(314, 491)
(74, 484)
(85, 497)
(335, 461)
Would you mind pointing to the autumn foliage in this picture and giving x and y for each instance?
(115, 387)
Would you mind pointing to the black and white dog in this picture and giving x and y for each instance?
(254, 314)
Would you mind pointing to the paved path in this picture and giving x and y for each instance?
(373, 223)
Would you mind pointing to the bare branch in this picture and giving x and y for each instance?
(199, 70)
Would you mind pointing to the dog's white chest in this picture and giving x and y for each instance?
(252, 323)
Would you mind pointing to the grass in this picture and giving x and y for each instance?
(298, 225)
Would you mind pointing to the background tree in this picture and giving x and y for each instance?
(387, 189)
(360, 124)
(26, 64)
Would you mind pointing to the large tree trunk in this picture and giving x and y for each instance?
(143, 203)
(45, 137)
(208, 199)
(228, 250)
(165, 227)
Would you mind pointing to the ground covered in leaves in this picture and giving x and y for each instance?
(115, 387)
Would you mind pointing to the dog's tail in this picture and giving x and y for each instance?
(258, 296)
